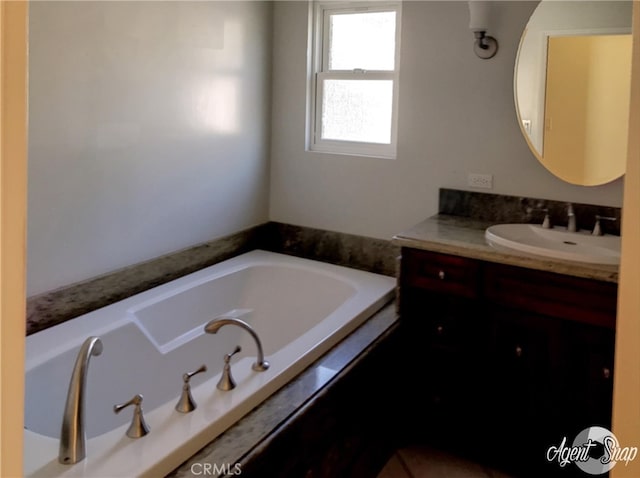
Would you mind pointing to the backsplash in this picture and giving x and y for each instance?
(52, 308)
(517, 209)
(357, 252)
(57, 306)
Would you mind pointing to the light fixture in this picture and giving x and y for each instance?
(485, 46)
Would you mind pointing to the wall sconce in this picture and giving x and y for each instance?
(485, 46)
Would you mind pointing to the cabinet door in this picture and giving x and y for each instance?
(447, 339)
(527, 408)
(525, 362)
(590, 374)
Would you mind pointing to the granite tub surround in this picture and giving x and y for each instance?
(458, 232)
(358, 252)
(250, 442)
(52, 308)
(499, 209)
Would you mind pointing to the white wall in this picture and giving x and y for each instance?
(456, 116)
(148, 131)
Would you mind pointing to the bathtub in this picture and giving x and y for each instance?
(298, 307)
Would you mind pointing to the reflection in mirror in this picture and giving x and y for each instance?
(572, 83)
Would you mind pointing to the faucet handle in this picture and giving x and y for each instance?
(187, 376)
(546, 223)
(227, 357)
(571, 219)
(186, 403)
(138, 427)
(226, 381)
(597, 229)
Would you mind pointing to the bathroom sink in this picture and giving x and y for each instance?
(557, 243)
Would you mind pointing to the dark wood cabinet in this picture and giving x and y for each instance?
(511, 360)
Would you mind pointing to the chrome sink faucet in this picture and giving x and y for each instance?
(571, 219)
(214, 325)
(72, 434)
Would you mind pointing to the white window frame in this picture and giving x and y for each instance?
(320, 72)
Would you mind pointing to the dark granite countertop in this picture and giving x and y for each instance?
(463, 236)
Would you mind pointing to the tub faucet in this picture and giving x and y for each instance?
(72, 433)
(214, 325)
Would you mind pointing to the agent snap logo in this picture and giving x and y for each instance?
(595, 451)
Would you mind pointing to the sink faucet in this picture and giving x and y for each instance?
(597, 229)
(546, 223)
(571, 218)
(72, 434)
(214, 325)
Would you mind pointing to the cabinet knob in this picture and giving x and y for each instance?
(518, 351)
(439, 329)
(441, 275)
(606, 372)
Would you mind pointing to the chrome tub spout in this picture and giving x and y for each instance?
(214, 325)
(72, 434)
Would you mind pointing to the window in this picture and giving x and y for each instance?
(355, 80)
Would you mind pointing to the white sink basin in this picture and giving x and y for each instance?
(556, 243)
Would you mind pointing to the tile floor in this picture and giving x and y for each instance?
(426, 462)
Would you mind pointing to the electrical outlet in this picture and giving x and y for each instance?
(480, 181)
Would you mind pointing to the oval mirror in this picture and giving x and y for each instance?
(572, 86)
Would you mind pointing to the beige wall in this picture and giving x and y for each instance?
(609, 97)
(587, 107)
(13, 182)
(626, 393)
(565, 133)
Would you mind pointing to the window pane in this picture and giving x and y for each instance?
(357, 110)
(362, 40)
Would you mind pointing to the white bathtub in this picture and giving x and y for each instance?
(299, 308)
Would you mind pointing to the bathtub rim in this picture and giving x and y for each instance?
(94, 323)
(62, 329)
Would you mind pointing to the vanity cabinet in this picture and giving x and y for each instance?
(511, 360)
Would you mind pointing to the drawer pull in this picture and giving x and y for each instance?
(441, 275)
(606, 373)
(518, 351)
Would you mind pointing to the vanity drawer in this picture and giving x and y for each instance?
(554, 295)
(440, 272)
